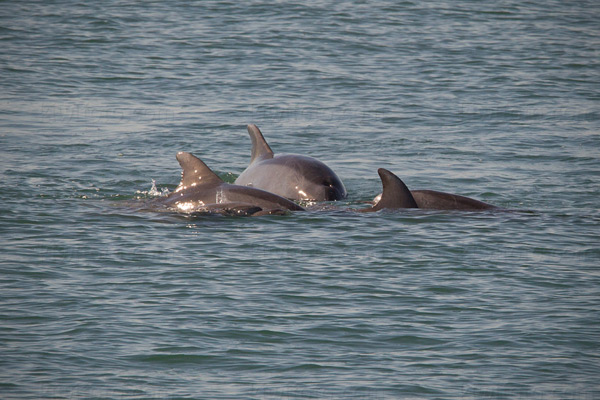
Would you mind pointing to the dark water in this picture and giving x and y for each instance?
(497, 101)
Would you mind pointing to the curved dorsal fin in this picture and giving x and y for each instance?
(395, 193)
(260, 148)
(194, 172)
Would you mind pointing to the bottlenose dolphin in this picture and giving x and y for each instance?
(201, 190)
(289, 175)
(396, 195)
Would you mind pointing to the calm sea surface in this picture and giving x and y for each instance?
(499, 101)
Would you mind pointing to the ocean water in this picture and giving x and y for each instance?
(100, 299)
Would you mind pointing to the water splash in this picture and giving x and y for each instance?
(154, 192)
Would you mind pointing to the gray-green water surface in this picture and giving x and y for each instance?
(494, 100)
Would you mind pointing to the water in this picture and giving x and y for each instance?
(499, 102)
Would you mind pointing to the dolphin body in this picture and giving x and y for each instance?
(292, 176)
(396, 195)
(201, 190)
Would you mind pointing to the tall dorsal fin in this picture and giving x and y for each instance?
(395, 193)
(260, 148)
(194, 171)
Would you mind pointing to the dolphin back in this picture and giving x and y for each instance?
(260, 147)
(395, 193)
(434, 200)
(194, 172)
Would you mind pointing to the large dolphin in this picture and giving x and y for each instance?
(292, 176)
(201, 190)
(396, 195)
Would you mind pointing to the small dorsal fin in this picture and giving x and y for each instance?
(194, 171)
(395, 193)
(260, 148)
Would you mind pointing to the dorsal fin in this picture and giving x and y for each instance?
(395, 193)
(194, 171)
(260, 148)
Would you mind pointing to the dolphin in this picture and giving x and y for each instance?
(292, 176)
(396, 195)
(201, 190)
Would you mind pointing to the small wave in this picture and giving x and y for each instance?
(154, 192)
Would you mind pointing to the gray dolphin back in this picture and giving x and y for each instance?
(395, 193)
(260, 147)
(194, 171)
(202, 191)
(434, 200)
(289, 175)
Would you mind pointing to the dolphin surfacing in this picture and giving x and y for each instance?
(201, 190)
(291, 176)
(396, 195)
